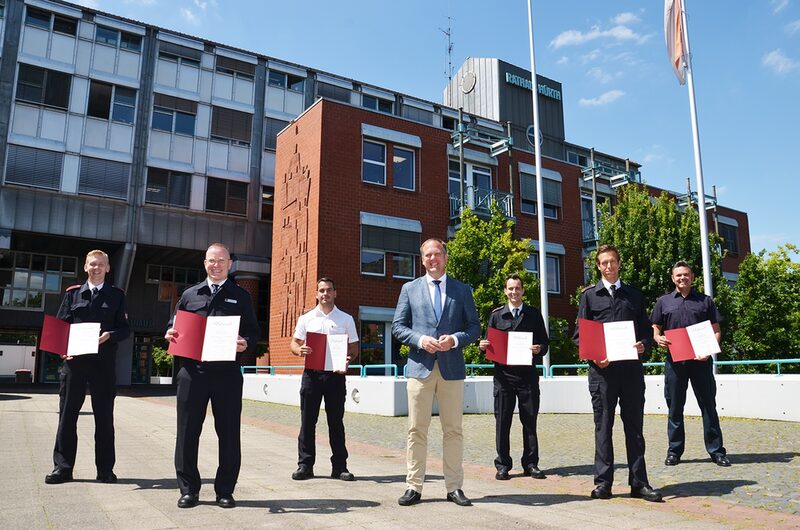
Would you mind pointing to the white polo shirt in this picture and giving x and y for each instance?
(337, 322)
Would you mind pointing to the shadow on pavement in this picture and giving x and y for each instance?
(753, 458)
(394, 479)
(704, 488)
(543, 499)
(586, 470)
(156, 484)
(310, 506)
(10, 397)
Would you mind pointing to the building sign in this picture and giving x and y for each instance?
(524, 82)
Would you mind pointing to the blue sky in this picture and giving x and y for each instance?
(620, 94)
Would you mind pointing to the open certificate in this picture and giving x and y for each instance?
(63, 338)
(510, 348)
(615, 341)
(205, 339)
(692, 342)
(328, 352)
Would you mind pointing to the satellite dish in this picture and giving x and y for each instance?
(468, 82)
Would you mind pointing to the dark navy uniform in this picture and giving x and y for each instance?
(220, 382)
(512, 383)
(108, 308)
(621, 381)
(674, 311)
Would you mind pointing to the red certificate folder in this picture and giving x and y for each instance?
(318, 342)
(191, 330)
(597, 337)
(680, 347)
(592, 343)
(498, 348)
(193, 343)
(55, 335)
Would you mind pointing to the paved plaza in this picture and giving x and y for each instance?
(760, 490)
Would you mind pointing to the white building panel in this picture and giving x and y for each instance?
(202, 125)
(159, 145)
(54, 125)
(74, 133)
(218, 155)
(182, 148)
(295, 102)
(95, 133)
(83, 58)
(197, 197)
(200, 155)
(34, 41)
(206, 83)
(128, 64)
(79, 95)
(62, 48)
(166, 73)
(275, 98)
(121, 138)
(243, 91)
(239, 159)
(25, 120)
(268, 168)
(70, 173)
(188, 78)
(104, 59)
(223, 86)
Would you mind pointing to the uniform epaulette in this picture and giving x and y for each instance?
(73, 287)
(586, 288)
(120, 289)
(498, 309)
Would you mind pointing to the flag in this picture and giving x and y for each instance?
(674, 37)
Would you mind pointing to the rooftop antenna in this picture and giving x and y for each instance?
(449, 71)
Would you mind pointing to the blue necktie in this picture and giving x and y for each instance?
(516, 313)
(437, 300)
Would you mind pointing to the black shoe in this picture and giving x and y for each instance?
(303, 473)
(647, 493)
(601, 492)
(189, 500)
(226, 501)
(502, 474)
(458, 497)
(534, 472)
(721, 460)
(58, 476)
(672, 460)
(409, 497)
(107, 477)
(343, 475)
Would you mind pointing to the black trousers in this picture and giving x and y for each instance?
(99, 372)
(621, 382)
(315, 386)
(676, 381)
(222, 385)
(512, 384)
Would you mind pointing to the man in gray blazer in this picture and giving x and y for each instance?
(436, 318)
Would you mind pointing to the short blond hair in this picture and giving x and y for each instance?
(97, 252)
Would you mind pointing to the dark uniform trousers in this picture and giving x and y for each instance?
(512, 383)
(315, 386)
(97, 371)
(221, 383)
(677, 376)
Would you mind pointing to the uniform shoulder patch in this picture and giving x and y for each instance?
(73, 287)
(498, 309)
(120, 289)
(586, 288)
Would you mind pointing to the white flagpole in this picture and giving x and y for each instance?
(698, 164)
(539, 192)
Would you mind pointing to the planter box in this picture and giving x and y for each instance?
(159, 380)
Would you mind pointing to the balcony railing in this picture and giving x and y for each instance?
(479, 201)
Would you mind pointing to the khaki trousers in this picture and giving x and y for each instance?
(450, 395)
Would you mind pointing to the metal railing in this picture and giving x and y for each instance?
(480, 200)
(777, 362)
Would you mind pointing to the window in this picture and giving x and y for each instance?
(105, 178)
(106, 36)
(373, 342)
(114, 38)
(130, 42)
(231, 125)
(41, 86)
(183, 55)
(173, 114)
(730, 238)
(168, 187)
(575, 158)
(374, 103)
(325, 90)
(101, 96)
(420, 115)
(226, 196)
(267, 202)
(34, 167)
(454, 179)
(404, 266)
(291, 82)
(171, 281)
(236, 68)
(40, 18)
(552, 195)
(374, 166)
(25, 278)
(553, 271)
(271, 129)
(373, 262)
(448, 123)
(402, 168)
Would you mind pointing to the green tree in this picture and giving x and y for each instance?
(162, 362)
(651, 235)
(766, 303)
